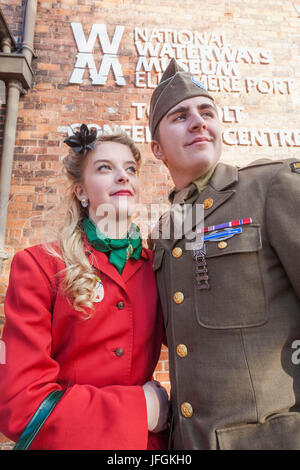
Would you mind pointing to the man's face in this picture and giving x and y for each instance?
(190, 139)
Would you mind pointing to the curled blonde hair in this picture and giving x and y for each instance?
(80, 276)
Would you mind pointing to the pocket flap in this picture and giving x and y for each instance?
(249, 240)
(281, 432)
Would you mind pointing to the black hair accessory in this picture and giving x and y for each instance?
(83, 140)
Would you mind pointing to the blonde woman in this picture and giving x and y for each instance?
(83, 326)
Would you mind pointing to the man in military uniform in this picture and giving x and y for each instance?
(231, 308)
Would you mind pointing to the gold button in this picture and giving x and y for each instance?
(182, 350)
(222, 245)
(187, 409)
(177, 252)
(208, 203)
(178, 297)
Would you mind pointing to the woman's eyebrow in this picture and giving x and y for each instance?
(128, 162)
(101, 160)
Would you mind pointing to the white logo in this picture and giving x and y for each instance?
(85, 56)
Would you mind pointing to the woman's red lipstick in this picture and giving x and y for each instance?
(122, 192)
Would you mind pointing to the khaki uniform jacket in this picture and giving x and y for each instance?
(234, 366)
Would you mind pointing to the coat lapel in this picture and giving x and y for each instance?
(101, 262)
(133, 265)
(224, 176)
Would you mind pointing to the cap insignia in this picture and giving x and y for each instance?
(295, 167)
(198, 83)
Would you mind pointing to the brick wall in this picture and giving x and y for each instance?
(271, 101)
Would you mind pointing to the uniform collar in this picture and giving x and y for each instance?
(180, 197)
(224, 176)
(220, 176)
(217, 190)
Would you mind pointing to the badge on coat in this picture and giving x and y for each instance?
(99, 291)
(295, 167)
(219, 235)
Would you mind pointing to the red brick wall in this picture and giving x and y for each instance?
(37, 185)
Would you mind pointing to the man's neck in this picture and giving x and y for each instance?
(200, 180)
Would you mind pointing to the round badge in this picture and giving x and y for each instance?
(99, 291)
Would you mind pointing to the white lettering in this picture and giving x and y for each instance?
(267, 85)
(139, 109)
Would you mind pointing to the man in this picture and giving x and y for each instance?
(231, 308)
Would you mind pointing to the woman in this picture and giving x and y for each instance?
(83, 329)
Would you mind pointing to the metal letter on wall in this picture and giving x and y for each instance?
(85, 56)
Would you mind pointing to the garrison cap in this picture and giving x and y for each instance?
(175, 86)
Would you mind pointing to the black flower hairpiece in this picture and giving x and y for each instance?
(82, 141)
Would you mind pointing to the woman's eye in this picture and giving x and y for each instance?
(103, 167)
(132, 169)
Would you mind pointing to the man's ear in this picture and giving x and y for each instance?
(157, 150)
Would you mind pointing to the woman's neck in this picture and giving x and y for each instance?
(112, 227)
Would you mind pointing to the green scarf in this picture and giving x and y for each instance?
(119, 250)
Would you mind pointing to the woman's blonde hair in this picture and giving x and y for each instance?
(80, 276)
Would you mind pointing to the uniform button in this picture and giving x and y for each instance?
(208, 203)
(187, 409)
(119, 352)
(222, 245)
(120, 305)
(182, 350)
(177, 252)
(178, 297)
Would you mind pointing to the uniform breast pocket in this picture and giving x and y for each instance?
(236, 296)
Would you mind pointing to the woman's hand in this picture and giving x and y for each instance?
(158, 406)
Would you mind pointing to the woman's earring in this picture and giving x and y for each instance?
(84, 202)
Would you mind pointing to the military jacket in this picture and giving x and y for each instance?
(234, 366)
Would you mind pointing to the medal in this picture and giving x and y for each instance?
(99, 291)
(220, 235)
(233, 223)
(199, 253)
(219, 232)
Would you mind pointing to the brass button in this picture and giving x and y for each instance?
(178, 297)
(182, 350)
(119, 352)
(120, 305)
(177, 252)
(222, 245)
(187, 409)
(208, 203)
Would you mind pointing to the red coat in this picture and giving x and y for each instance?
(50, 347)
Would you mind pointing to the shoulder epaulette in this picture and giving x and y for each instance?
(261, 162)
